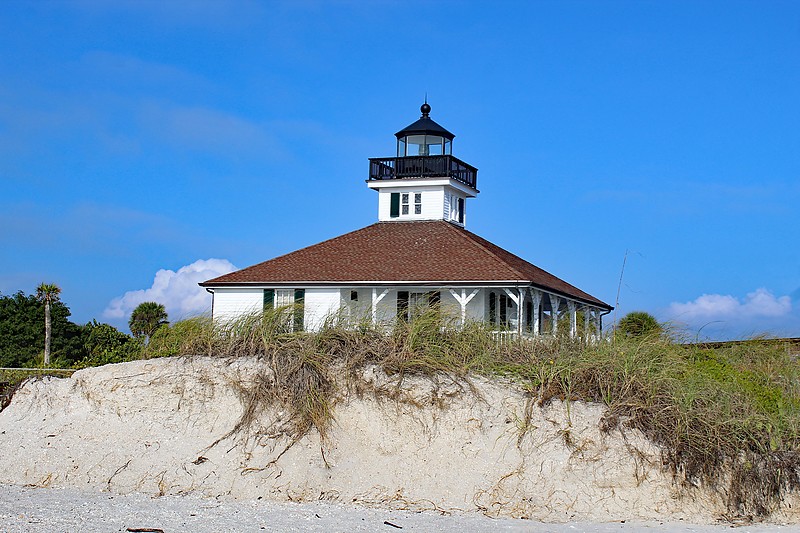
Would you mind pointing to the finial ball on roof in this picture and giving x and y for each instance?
(425, 108)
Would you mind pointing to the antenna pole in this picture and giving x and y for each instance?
(619, 288)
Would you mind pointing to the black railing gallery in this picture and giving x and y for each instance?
(429, 166)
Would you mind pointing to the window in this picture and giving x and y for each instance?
(412, 304)
(499, 305)
(417, 301)
(278, 298)
(353, 296)
(401, 204)
(284, 297)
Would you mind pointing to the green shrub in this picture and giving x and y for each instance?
(638, 324)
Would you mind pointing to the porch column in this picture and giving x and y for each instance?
(536, 296)
(598, 324)
(375, 299)
(586, 319)
(573, 319)
(555, 303)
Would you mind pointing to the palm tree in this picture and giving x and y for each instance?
(147, 318)
(47, 293)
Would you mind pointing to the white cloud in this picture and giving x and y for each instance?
(758, 304)
(177, 291)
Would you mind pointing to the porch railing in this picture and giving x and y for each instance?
(429, 166)
(504, 337)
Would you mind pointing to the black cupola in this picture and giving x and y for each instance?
(424, 137)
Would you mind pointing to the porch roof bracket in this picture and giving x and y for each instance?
(375, 299)
(517, 299)
(463, 300)
(513, 296)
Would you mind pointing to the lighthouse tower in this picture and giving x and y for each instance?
(424, 181)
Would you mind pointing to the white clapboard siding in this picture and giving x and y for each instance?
(230, 304)
(432, 203)
(323, 303)
(319, 305)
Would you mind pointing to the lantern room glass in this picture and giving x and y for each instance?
(416, 145)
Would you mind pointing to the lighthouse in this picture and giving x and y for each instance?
(419, 253)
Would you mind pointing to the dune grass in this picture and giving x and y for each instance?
(726, 418)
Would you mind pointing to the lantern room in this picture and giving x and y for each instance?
(424, 137)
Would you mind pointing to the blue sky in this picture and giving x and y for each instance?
(145, 145)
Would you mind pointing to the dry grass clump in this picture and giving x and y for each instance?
(726, 418)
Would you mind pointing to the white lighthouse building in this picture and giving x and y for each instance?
(418, 253)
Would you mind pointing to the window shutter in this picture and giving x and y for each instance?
(269, 299)
(402, 305)
(492, 308)
(299, 308)
(394, 208)
(460, 210)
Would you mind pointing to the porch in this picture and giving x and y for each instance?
(520, 311)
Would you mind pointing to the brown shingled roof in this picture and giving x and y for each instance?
(430, 252)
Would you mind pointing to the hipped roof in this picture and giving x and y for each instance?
(425, 126)
(402, 253)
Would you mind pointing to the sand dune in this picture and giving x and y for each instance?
(159, 427)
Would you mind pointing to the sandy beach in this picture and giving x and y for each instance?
(24, 509)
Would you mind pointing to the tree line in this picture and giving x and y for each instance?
(35, 331)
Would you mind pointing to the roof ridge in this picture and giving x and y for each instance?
(477, 239)
(497, 258)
